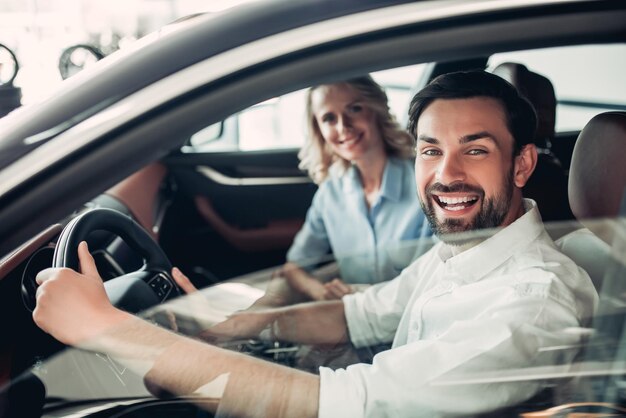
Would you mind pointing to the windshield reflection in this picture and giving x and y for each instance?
(81, 375)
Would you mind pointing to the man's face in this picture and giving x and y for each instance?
(465, 170)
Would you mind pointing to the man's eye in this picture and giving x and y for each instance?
(430, 152)
(477, 152)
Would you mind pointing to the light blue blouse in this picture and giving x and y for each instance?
(370, 246)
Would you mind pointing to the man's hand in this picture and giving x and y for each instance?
(74, 307)
(183, 281)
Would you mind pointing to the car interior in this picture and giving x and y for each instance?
(244, 208)
(215, 190)
(548, 184)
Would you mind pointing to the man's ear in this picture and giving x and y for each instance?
(525, 164)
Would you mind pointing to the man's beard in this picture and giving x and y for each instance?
(491, 214)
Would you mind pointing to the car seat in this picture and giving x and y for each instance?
(597, 182)
(548, 184)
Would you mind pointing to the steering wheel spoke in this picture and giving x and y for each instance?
(162, 285)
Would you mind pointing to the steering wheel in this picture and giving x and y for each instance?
(135, 291)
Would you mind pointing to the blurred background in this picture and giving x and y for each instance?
(53, 39)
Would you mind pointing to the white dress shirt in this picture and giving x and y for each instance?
(494, 307)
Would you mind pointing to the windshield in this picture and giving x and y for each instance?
(98, 377)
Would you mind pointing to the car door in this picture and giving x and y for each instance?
(248, 161)
(211, 214)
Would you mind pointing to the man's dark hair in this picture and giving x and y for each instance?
(521, 117)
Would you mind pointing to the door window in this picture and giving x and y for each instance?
(279, 122)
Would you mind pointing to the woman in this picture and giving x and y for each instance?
(366, 203)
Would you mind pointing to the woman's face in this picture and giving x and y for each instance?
(346, 123)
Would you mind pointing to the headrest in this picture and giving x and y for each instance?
(597, 176)
(539, 91)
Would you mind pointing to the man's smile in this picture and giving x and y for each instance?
(460, 207)
(455, 200)
(455, 203)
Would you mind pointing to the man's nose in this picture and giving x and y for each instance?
(450, 170)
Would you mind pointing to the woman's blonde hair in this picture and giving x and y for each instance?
(316, 156)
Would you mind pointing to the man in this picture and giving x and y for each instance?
(471, 305)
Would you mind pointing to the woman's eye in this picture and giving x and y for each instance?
(356, 108)
(328, 118)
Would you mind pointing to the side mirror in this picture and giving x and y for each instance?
(77, 58)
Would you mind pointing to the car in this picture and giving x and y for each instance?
(170, 152)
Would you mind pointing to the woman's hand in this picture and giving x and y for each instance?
(302, 282)
(336, 289)
(312, 287)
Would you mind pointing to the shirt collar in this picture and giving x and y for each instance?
(391, 186)
(477, 262)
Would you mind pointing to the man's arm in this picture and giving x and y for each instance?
(242, 385)
(306, 323)
(318, 323)
(74, 309)
(246, 386)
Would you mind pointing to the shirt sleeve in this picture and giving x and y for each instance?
(374, 314)
(311, 243)
(369, 322)
(469, 369)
